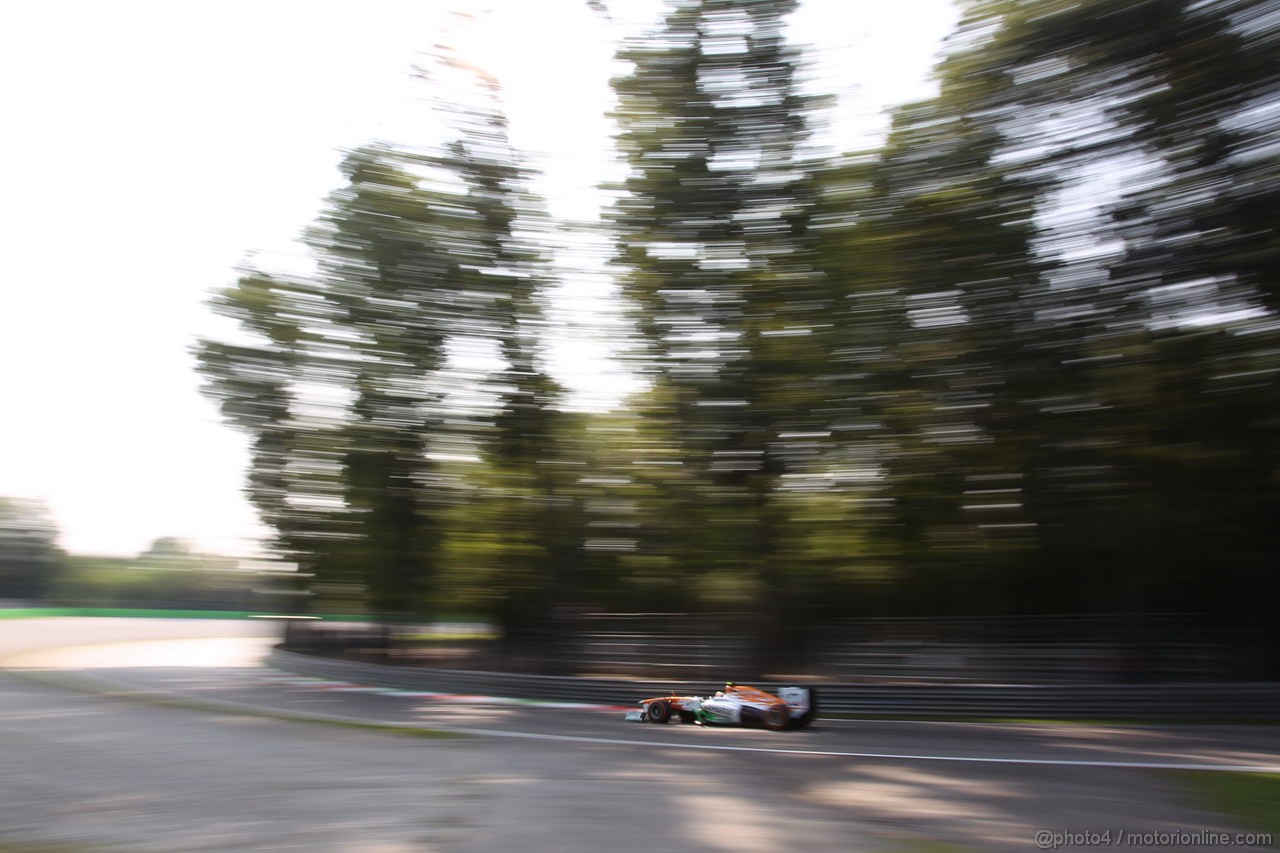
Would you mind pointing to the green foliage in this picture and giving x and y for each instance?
(168, 575)
(1053, 333)
(30, 559)
(1020, 359)
(347, 387)
(715, 248)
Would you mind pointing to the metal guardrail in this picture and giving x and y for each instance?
(1088, 650)
(1236, 701)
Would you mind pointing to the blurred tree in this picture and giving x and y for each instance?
(347, 388)
(1021, 359)
(714, 245)
(1153, 460)
(30, 559)
(1187, 325)
(172, 553)
(168, 575)
(932, 243)
(1059, 322)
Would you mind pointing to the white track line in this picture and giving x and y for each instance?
(308, 681)
(843, 722)
(1047, 762)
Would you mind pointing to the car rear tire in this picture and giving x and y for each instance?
(777, 718)
(659, 711)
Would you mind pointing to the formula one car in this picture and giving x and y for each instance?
(736, 705)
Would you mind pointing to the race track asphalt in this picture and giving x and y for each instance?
(542, 778)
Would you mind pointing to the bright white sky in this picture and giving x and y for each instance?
(151, 146)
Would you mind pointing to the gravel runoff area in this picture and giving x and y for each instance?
(93, 773)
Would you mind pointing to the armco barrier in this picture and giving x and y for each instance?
(1243, 701)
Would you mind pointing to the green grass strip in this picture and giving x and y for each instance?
(49, 847)
(127, 613)
(82, 684)
(146, 613)
(1253, 799)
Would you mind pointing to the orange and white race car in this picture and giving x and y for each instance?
(736, 705)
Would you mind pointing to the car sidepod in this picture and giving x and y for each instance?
(720, 712)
